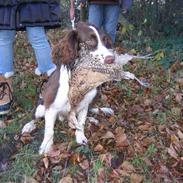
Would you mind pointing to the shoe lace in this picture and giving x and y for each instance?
(3, 90)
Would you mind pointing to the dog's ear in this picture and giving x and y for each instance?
(66, 51)
(107, 40)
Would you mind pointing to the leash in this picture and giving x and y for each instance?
(73, 23)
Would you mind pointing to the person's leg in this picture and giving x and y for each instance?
(6, 69)
(95, 15)
(38, 39)
(111, 16)
(6, 52)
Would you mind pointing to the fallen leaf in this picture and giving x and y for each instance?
(114, 177)
(66, 180)
(106, 159)
(136, 178)
(98, 148)
(147, 161)
(80, 176)
(149, 49)
(84, 165)
(163, 170)
(174, 138)
(180, 134)
(46, 162)
(2, 124)
(180, 81)
(127, 166)
(121, 138)
(178, 97)
(108, 135)
(112, 119)
(148, 140)
(123, 173)
(29, 180)
(75, 158)
(147, 102)
(172, 152)
(145, 127)
(101, 175)
(162, 129)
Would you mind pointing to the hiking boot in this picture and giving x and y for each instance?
(5, 94)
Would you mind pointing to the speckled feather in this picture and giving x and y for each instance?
(88, 74)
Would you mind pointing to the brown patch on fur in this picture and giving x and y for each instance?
(51, 89)
(107, 41)
(66, 51)
(87, 34)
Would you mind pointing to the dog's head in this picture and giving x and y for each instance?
(98, 43)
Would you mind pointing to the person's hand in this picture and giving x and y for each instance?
(72, 13)
(124, 11)
(82, 2)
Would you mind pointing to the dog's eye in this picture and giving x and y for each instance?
(107, 41)
(92, 42)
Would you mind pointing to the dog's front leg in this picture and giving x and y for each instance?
(80, 137)
(29, 127)
(72, 120)
(50, 117)
(78, 126)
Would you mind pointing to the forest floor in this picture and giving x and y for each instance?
(141, 142)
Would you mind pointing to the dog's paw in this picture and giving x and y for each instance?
(60, 118)
(93, 120)
(45, 147)
(29, 127)
(80, 138)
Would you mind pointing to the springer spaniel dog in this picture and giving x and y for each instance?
(72, 86)
(55, 101)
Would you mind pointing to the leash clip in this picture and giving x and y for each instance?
(73, 23)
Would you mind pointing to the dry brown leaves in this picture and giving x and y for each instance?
(118, 139)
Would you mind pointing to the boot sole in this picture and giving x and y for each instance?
(4, 109)
(4, 112)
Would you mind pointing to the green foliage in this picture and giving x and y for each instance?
(165, 50)
(171, 49)
(161, 117)
(93, 172)
(86, 151)
(25, 91)
(23, 166)
(151, 150)
(140, 163)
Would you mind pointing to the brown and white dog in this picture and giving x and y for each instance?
(55, 97)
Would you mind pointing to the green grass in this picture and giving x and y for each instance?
(151, 150)
(93, 172)
(23, 162)
(142, 167)
(25, 93)
(161, 117)
(23, 165)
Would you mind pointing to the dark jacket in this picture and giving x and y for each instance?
(17, 14)
(103, 2)
(125, 4)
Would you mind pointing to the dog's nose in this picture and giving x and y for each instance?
(109, 59)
